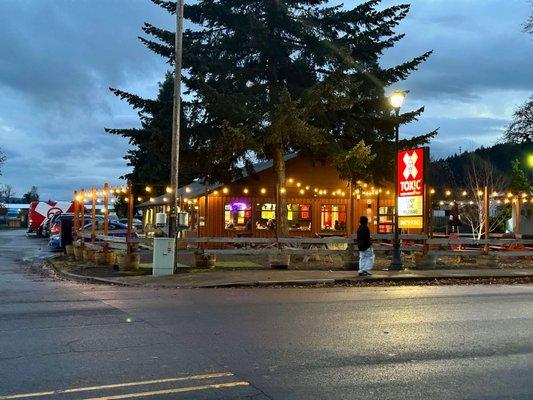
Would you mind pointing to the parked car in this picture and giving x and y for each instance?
(137, 223)
(55, 226)
(115, 228)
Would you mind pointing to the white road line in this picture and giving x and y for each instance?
(117, 385)
(172, 391)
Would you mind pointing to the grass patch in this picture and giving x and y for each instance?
(237, 264)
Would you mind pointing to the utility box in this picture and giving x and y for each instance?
(163, 261)
(160, 219)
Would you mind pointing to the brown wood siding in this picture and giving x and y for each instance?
(308, 172)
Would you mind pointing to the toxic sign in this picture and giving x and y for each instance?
(411, 188)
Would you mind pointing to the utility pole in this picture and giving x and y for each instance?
(178, 48)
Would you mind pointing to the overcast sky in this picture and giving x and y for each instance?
(58, 57)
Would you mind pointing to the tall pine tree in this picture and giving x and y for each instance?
(360, 37)
(281, 75)
(150, 156)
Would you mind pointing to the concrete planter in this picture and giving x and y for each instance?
(425, 261)
(99, 257)
(127, 262)
(487, 261)
(351, 262)
(88, 255)
(111, 258)
(69, 249)
(78, 253)
(205, 261)
(279, 261)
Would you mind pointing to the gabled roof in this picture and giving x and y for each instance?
(197, 189)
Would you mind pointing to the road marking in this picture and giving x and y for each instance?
(173, 391)
(117, 385)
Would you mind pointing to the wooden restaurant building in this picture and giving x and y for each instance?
(319, 203)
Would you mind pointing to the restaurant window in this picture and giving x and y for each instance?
(299, 216)
(333, 217)
(238, 216)
(265, 216)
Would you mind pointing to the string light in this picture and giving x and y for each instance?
(139, 199)
(148, 189)
(432, 191)
(480, 193)
(282, 190)
(224, 190)
(448, 193)
(245, 190)
(168, 189)
(187, 190)
(263, 190)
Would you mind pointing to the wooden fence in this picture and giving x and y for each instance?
(439, 246)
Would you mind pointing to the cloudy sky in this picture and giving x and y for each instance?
(60, 56)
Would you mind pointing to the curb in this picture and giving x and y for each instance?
(345, 281)
(83, 278)
(294, 282)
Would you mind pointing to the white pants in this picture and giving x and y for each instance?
(366, 260)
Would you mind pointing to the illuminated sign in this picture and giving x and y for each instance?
(411, 188)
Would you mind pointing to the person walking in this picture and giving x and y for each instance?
(366, 252)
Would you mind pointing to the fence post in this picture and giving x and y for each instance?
(486, 211)
(130, 217)
(82, 216)
(75, 222)
(517, 218)
(106, 214)
(93, 215)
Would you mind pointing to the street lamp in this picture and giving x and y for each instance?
(396, 100)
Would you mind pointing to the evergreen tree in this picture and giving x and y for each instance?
(519, 179)
(32, 195)
(150, 157)
(275, 76)
(361, 35)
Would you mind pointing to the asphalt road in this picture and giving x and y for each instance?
(63, 340)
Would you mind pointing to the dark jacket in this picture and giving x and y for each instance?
(363, 238)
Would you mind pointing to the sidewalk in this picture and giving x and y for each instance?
(210, 279)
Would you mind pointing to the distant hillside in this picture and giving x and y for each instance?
(450, 171)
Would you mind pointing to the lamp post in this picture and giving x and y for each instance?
(530, 163)
(396, 100)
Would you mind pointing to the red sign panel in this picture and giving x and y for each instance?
(411, 172)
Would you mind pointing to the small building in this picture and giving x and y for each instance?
(319, 203)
